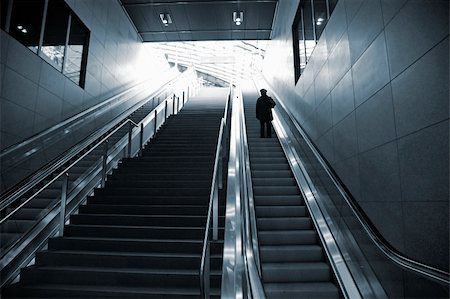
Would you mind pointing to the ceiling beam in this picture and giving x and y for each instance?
(156, 3)
(206, 31)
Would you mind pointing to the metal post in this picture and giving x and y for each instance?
(62, 213)
(178, 104)
(216, 213)
(156, 123)
(220, 166)
(130, 130)
(183, 98)
(141, 140)
(207, 276)
(165, 111)
(173, 105)
(105, 158)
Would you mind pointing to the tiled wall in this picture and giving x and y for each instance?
(374, 98)
(35, 96)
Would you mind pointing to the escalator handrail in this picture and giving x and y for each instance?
(76, 117)
(249, 198)
(375, 236)
(19, 190)
(241, 275)
(66, 169)
(251, 246)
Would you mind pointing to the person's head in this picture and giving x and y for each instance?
(263, 91)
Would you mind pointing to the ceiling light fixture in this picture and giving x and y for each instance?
(238, 17)
(319, 21)
(165, 19)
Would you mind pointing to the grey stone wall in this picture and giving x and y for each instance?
(374, 98)
(35, 96)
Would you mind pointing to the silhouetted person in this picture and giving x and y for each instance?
(264, 106)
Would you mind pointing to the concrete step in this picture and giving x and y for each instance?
(94, 259)
(136, 232)
(130, 245)
(194, 210)
(129, 277)
(141, 220)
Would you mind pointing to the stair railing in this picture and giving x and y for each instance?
(213, 207)
(241, 275)
(65, 175)
(126, 146)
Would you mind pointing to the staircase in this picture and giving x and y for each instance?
(21, 222)
(142, 235)
(293, 262)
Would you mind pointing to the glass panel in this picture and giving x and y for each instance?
(310, 42)
(55, 33)
(78, 40)
(3, 11)
(332, 5)
(26, 21)
(301, 43)
(320, 16)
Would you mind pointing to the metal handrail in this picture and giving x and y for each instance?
(213, 207)
(392, 254)
(212, 213)
(66, 169)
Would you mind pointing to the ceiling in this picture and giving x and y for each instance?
(201, 20)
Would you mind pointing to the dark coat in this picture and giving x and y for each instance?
(264, 106)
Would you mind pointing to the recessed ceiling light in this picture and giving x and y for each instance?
(238, 17)
(166, 19)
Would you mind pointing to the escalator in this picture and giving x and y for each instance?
(22, 221)
(142, 235)
(293, 261)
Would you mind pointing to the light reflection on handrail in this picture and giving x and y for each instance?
(250, 241)
(241, 276)
(213, 207)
